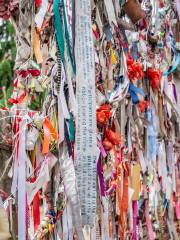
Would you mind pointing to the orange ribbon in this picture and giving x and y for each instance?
(49, 132)
(37, 50)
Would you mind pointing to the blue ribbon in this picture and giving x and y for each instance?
(151, 135)
(135, 51)
(133, 91)
(173, 68)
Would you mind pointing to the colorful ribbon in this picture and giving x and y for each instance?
(134, 91)
(59, 33)
(174, 67)
(49, 132)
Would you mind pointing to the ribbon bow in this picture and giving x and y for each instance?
(25, 73)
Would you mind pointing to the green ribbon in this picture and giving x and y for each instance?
(71, 128)
(68, 39)
(60, 33)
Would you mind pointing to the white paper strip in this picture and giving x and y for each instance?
(86, 142)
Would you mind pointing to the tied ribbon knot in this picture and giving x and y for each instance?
(25, 73)
(19, 100)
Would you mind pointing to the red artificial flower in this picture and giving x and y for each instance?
(103, 114)
(135, 70)
(154, 77)
(113, 137)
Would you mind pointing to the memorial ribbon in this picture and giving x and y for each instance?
(86, 142)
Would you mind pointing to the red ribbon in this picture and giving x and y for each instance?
(38, 3)
(25, 73)
(36, 203)
(36, 211)
(143, 105)
(19, 99)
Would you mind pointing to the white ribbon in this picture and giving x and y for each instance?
(110, 12)
(67, 223)
(69, 180)
(62, 96)
(22, 182)
(162, 168)
(44, 177)
(39, 18)
(63, 112)
(105, 223)
(142, 161)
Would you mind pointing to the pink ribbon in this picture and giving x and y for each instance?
(103, 151)
(27, 218)
(135, 210)
(148, 223)
(178, 210)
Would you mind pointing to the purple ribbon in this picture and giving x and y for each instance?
(101, 179)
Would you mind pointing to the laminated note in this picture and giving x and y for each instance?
(86, 142)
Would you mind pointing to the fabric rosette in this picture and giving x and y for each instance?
(103, 114)
(154, 76)
(135, 70)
